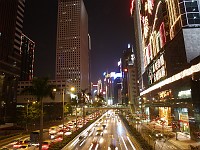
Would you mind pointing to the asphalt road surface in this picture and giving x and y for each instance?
(114, 136)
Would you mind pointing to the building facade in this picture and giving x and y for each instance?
(169, 34)
(11, 25)
(72, 50)
(112, 87)
(59, 84)
(27, 61)
(129, 79)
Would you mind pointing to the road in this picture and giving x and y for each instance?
(114, 136)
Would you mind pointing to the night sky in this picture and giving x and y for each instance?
(110, 28)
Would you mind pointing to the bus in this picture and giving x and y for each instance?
(35, 136)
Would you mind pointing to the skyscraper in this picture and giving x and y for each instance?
(72, 52)
(11, 24)
(27, 53)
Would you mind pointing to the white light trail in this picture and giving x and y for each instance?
(131, 143)
(124, 143)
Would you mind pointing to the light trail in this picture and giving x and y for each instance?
(124, 143)
(131, 143)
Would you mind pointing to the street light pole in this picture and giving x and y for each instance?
(27, 116)
(63, 105)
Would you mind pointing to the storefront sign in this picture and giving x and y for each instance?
(183, 117)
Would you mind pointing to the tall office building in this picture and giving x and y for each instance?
(72, 52)
(11, 20)
(27, 54)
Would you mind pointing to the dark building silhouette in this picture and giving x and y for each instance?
(11, 24)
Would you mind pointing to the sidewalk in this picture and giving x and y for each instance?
(183, 141)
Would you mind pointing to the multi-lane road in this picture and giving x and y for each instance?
(106, 133)
(114, 136)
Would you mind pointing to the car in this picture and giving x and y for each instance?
(53, 130)
(157, 134)
(4, 148)
(46, 144)
(67, 129)
(104, 126)
(99, 132)
(81, 140)
(97, 124)
(112, 145)
(80, 125)
(58, 138)
(17, 145)
(90, 132)
(21, 142)
(68, 132)
(52, 136)
(70, 125)
(26, 147)
(94, 145)
(61, 132)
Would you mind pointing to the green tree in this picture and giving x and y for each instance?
(83, 101)
(40, 89)
(68, 109)
(28, 114)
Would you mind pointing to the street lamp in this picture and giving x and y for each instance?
(63, 105)
(27, 116)
(72, 89)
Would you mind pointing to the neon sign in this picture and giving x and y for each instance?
(153, 30)
(157, 70)
(132, 7)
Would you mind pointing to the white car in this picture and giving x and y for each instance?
(68, 132)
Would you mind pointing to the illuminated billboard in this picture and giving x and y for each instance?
(154, 37)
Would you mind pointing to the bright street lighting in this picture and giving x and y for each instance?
(72, 89)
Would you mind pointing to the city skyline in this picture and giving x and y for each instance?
(110, 28)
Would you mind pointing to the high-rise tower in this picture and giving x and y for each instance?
(72, 52)
(27, 53)
(11, 24)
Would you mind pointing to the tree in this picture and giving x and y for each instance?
(68, 109)
(28, 114)
(84, 101)
(74, 102)
(40, 89)
(100, 98)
